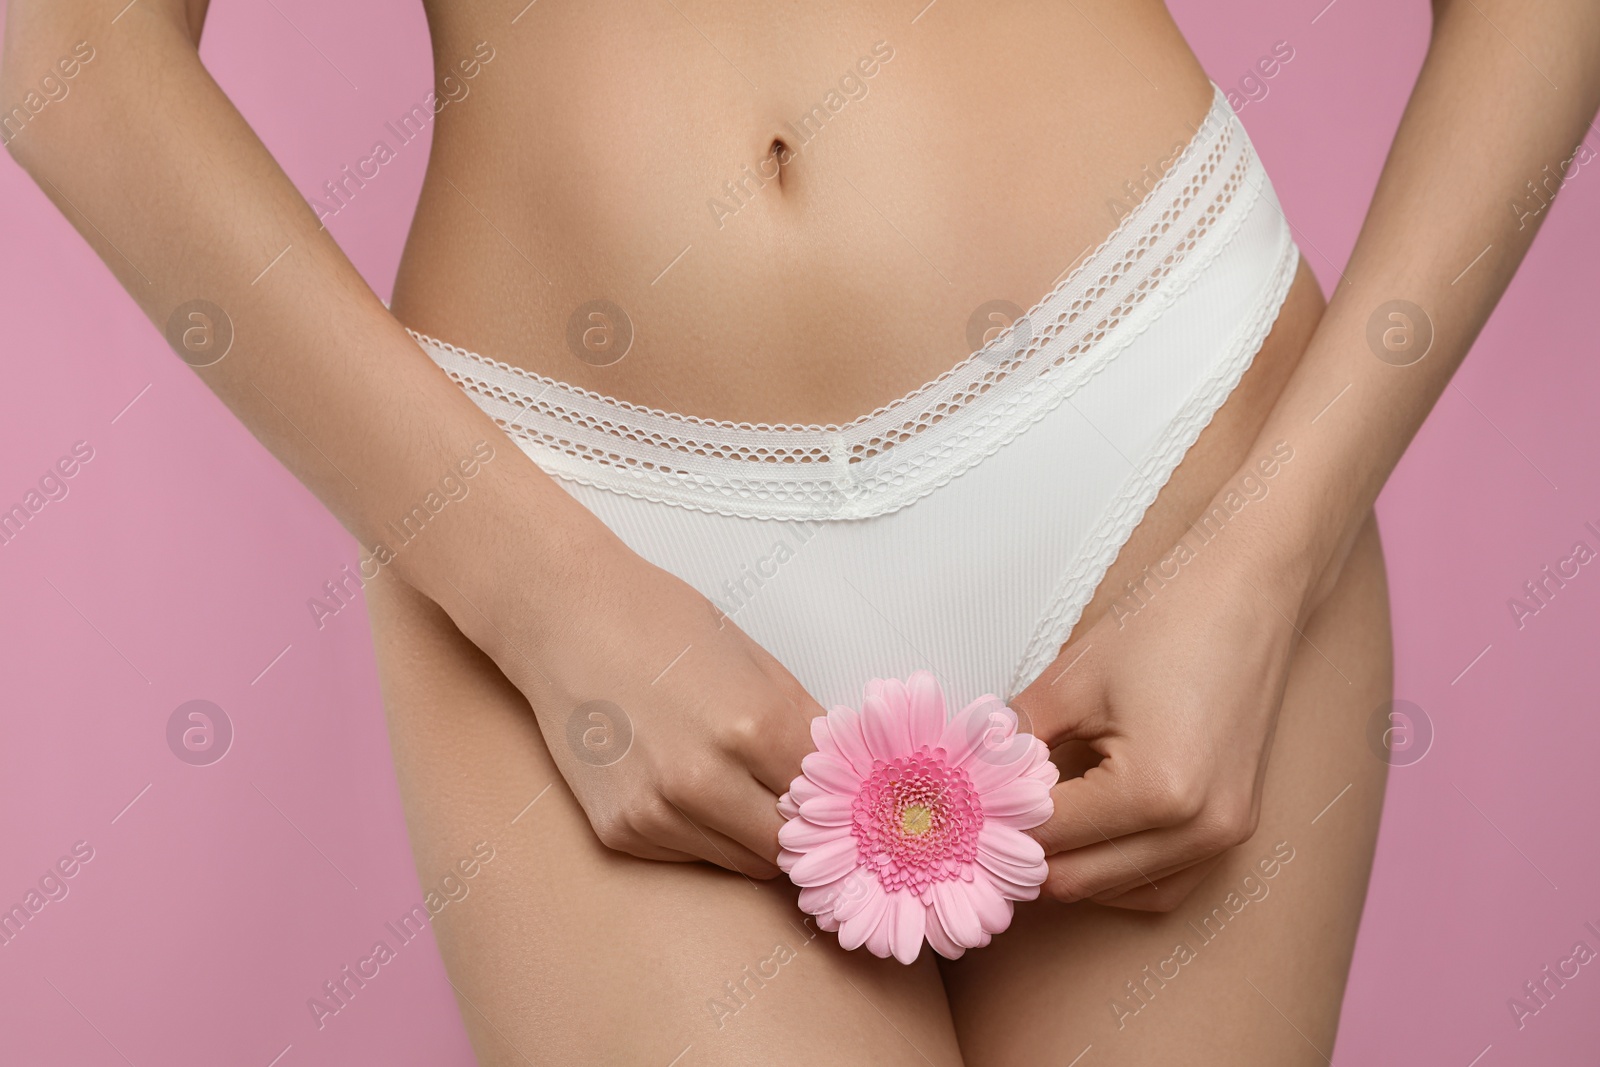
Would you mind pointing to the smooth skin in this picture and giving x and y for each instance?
(877, 241)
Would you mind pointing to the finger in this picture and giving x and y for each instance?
(779, 736)
(1085, 872)
(1107, 802)
(643, 849)
(745, 813)
(1161, 878)
(1067, 701)
(664, 837)
(775, 762)
(716, 848)
(1174, 889)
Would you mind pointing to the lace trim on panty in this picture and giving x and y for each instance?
(893, 456)
(1076, 587)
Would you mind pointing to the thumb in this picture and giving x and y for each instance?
(788, 738)
(1067, 702)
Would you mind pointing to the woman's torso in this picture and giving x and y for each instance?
(626, 154)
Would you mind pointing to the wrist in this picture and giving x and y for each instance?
(1270, 515)
(506, 550)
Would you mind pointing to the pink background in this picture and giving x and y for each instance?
(179, 565)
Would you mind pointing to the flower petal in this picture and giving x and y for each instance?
(1013, 891)
(937, 937)
(964, 734)
(956, 912)
(1006, 872)
(994, 910)
(1045, 771)
(787, 807)
(831, 773)
(830, 809)
(1008, 753)
(803, 789)
(845, 725)
(885, 732)
(1001, 724)
(819, 899)
(855, 891)
(1027, 820)
(927, 713)
(894, 694)
(826, 863)
(881, 941)
(1010, 845)
(803, 835)
(854, 931)
(905, 935)
(992, 768)
(822, 737)
(1016, 797)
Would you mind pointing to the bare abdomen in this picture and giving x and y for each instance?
(791, 215)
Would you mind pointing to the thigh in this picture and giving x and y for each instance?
(1251, 968)
(561, 951)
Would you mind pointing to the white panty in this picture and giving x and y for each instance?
(963, 527)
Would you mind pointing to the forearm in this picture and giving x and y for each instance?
(1443, 234)
(160, 173)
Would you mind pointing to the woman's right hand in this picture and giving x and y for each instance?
(674, 730)
(327, 379)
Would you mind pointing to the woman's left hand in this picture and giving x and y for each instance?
(1179, 700)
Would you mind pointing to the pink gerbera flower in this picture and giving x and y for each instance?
(906, 826)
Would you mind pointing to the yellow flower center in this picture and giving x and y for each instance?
(916, 820)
